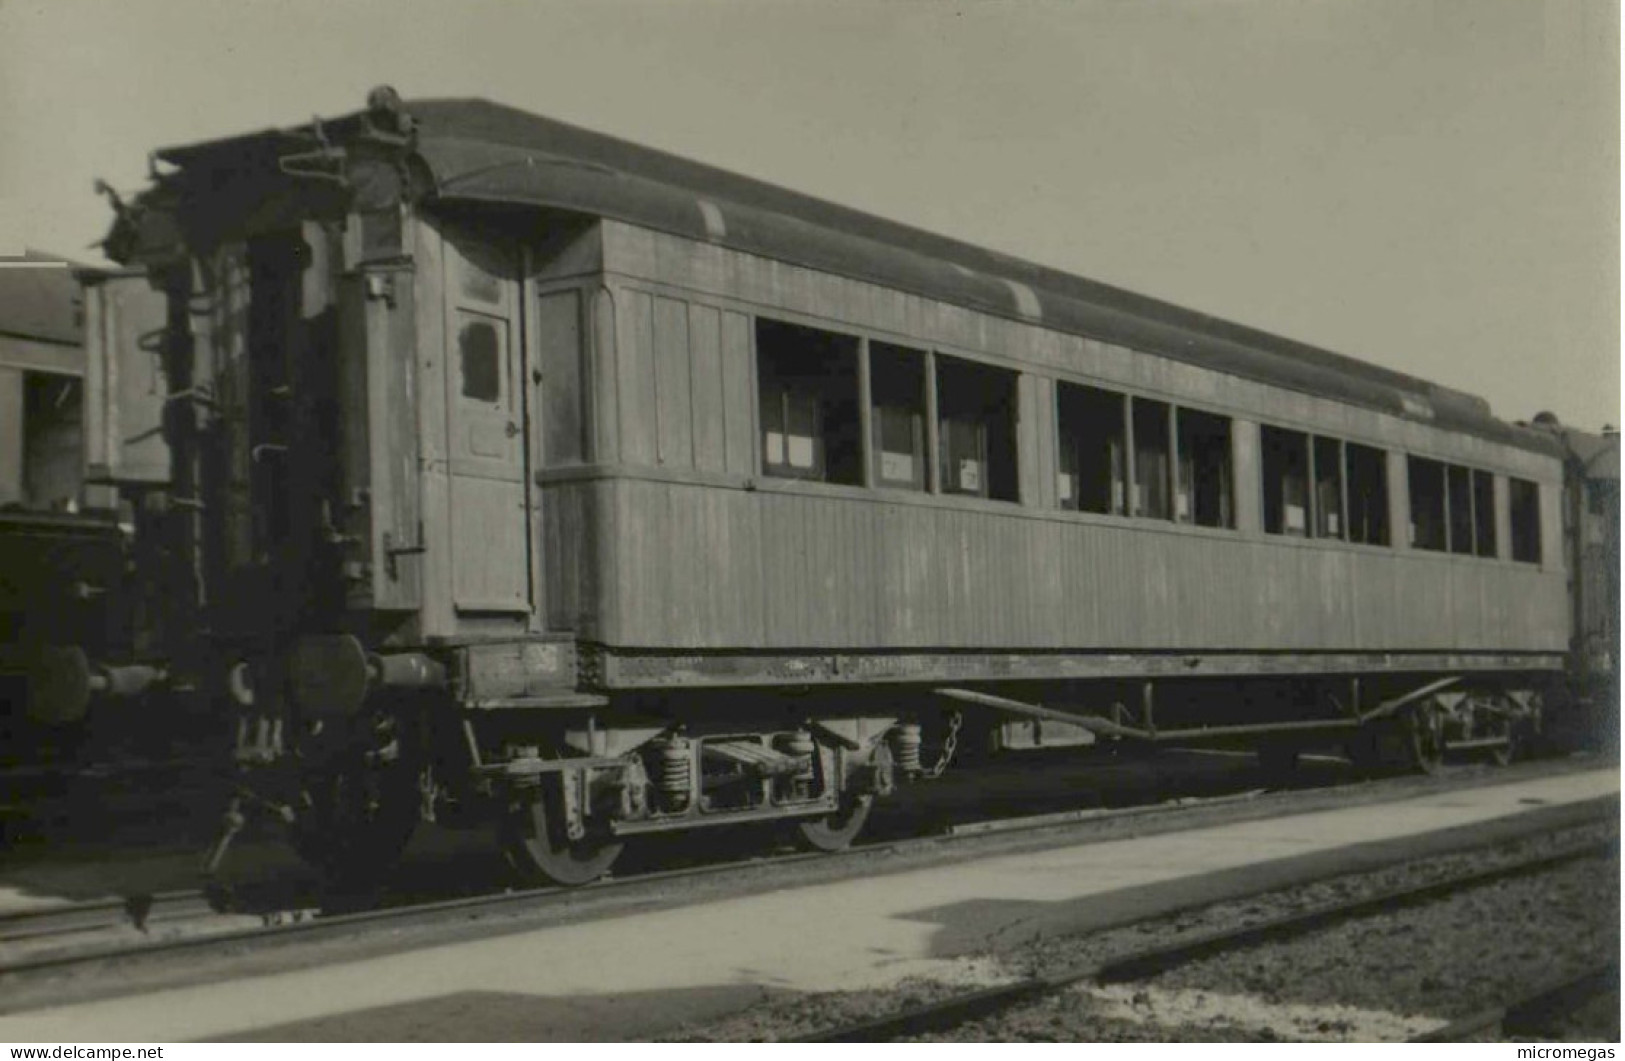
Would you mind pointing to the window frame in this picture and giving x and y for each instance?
(495, 372)
(1459, 516)
(874, 426)
(1344, 457)
(1467, 508)
(867, 421)
(1306, 454)
(1439, 525)
(1122, 469)
(1162, 430)
(1486, 543)
(1190, 492)
(1358, 470)
(1079, 397)
(995, 464)
(823, 390)
(1320, 521)
(1380, 503)
(1524, 516)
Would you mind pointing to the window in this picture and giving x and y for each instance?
(808, 403)
(52, 428)
(1524, 497)
(481, 352)
(1323, 487)
(1452, 508)
(1152, 481)
(976, 436)
(1459, 488)
(1286, 480)
(1094, 448)
(1427, 505)
(1328, 488)
(897, 394)
(1367, 474)
(1484, 513)
(1203, 493)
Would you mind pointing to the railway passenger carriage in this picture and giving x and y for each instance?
(543, 473)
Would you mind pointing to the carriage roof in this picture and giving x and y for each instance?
(474, 151)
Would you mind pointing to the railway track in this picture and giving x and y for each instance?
(140, 912)
(956, 1010)
(63, 939)
(146, 912)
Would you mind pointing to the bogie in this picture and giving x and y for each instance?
(571, 795)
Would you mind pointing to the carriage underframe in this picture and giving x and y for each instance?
(574, 775)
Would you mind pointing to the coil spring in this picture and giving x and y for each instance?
(674, 771)
(905, 742)
(804, 749)
(801, 745)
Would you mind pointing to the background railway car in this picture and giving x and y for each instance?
(546, 475)
(79, 405)
(1591, 546)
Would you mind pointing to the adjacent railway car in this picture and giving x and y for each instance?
(1591, 554)
(77, 623)
(534, 473)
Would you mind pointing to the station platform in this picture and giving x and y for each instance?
(641, 974)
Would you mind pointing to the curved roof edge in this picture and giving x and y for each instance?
(477, 151)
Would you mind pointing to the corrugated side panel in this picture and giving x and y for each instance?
(705, 567)
(682, 377)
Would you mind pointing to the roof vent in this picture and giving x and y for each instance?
(1416, 406)
(385, 113)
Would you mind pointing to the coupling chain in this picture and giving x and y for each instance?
(949, 746)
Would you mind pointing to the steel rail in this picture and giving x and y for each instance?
(339, 924)
(959, 1009)
(279, 926)
(139, 911)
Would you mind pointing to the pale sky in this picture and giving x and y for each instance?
(1430, 185)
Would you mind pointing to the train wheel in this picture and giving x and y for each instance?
(355, 820)
(835, 832)
(1422, 727)
(1494, 719)
(536, 845)
(1501, 726)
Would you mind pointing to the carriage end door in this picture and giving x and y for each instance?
(485, 410)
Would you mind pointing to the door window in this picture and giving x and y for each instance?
(481, 354)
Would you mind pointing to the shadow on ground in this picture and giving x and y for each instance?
(497, 1017)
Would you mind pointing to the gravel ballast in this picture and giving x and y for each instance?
(1382, 977)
